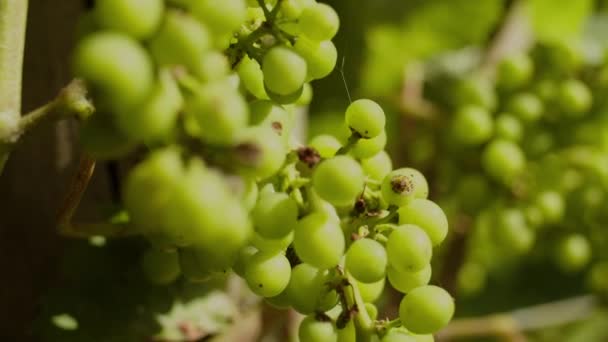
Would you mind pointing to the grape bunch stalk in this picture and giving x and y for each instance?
(205, 94)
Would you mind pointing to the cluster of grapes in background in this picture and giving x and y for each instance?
(207, 96)
(520, 162)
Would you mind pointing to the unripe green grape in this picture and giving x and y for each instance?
(306, 96)
(284, 70)
(102, 140)
(287, 99)
(598, 277)
(319, 22)
(272, 245)
(242, 258)
(280, 301)
(292, 9)
(575, 98)
(320, 57)
(160, 267)
(319, 241)
(427, 309)
(267, 274)
(503, 160)
(513, 232)
(267, 151)
(348, 333)
(220, 112)
(398, 335)
(472, 125)
(275, 215)
(378, 166)
(539, 143)
(509, 127)
(551, 205)
(366, 260)
(181, 40)
(248, 193)
(426, 215)
(147, 190)
(267, 113)
(401, 186)
(221, 17)
(213, 66)
(526, 106)
(471, 278)
(250, 72)
(136, 18)
(476, 91)
(573, 253)
(366, 148)
(515, 71)
(156, 117)
(117, 66)
(308, 290)
(404, 282)
(365, 117)
(409, 248)
(326, 145)
(370, 292)
(372, 311)
(338, 180)
(311, 330)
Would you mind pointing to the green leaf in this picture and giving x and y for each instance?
(558, 20)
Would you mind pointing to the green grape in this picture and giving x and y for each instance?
(348, 333)
(250, 72)
(284, 71)
(248, 193)
(272, 115)
(427, 309)
(551, 205)
(290, 98)
(308, 291)
(280, 301)
(400, 186)
(157, 117)
(365, 117)
(160, 267)
(148, 187)
(292, 9)
(319, 241)
(476, 91)
(338, 180)
(428, 216)
(509, 127)
(503, 160)
(372, 311)
(275, 215)
(539, 143)
(573, 253)
(242, 258)
(117, 66)
(267, 274)
(326, 145)
(366, 148)
(213, 66)
(515, 71)
(136, 18)
(513, 232)
(398, 335)
(311, 330)
(471, 278)
(319, 22)
(306, 97)
(370, 292)
(320, 57)
(406, 281)
(272, 245)
(378, 166)
(102, 140)
(263, 152)
(575, 98)
(220, 16)
(366, 260)
(472, 125)
(598, 277)
(527, 107)
(409, 248)
(220, 112)
(181, 40)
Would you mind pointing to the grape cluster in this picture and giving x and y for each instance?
(523, 161)
(207, 93)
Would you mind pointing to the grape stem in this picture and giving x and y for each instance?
(13, 23)
(350, 143)
(354, 300)
(513, 324)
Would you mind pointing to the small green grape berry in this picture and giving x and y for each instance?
(426, 309)
(366, 118)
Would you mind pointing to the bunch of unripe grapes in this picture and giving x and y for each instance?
(523, 162)
(205, 93)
